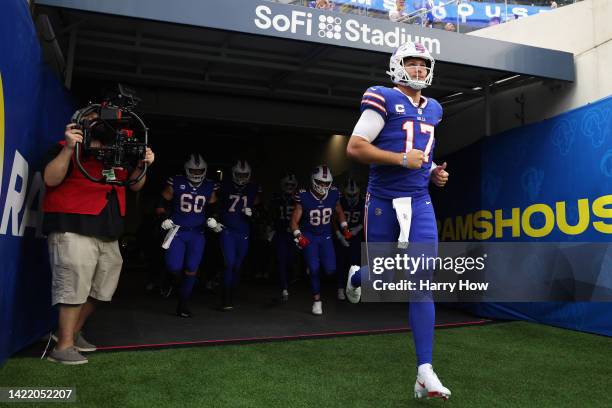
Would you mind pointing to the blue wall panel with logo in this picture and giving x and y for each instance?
(559, 170)
(34, 108)
(475, 13)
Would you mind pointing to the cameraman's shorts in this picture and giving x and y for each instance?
(83, 266)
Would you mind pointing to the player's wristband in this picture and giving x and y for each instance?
(297, 233)
(433, 167)
(344, 224)
(404, 160)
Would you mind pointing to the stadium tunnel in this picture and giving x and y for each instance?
(277, 101)
(211, 81)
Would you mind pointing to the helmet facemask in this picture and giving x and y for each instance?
(397, 68)
(321, 180)
(241, 173)
(320, 187)
(351, 192)
(195, 169)
(289, 184)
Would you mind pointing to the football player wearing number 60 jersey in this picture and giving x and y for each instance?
(237, 198)
(311, 224)
(395, 136)
(189, 195)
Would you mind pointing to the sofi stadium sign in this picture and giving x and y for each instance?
(336, 27)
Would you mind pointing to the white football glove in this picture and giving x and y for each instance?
(247, 211)
(167, 224)
(214, 225)
(342, 240)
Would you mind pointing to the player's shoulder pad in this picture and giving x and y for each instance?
(436, 105)
(434, 102)
(375, 98)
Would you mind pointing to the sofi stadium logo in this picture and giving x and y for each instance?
(336, 28)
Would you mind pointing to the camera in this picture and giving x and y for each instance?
(113, 134)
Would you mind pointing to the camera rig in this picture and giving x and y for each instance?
(120, 133)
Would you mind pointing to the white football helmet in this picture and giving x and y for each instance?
(397, 71)
(289, 183)
(195, 168)
(321, 180)
(241, 173)
(351, 191)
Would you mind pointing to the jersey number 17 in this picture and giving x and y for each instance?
(425, 129)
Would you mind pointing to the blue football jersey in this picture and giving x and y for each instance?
(406, 127)
(354, 212)
(188, 202)
(282, 207)
(233, 199)
(317, 213)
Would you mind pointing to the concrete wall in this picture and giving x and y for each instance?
(583, 29)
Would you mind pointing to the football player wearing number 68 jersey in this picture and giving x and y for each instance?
(189, 195)
(311, 224)
(395, 136)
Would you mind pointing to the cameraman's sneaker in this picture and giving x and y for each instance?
(80, 343)
(341, 295)
(353, 293)
(83, 345)
(68, 356)
(428, 384)
(284, 296)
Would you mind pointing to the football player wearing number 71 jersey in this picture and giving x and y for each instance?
(311, 224)
(395, 136)
(189, 195)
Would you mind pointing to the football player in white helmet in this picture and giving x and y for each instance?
(321, 180)
(411, 65)
(313, 230)
(237, 198)
(241, 173)
(187, 196)
(395, 135)
(195, 169)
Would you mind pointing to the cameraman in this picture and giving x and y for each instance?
(83, 221)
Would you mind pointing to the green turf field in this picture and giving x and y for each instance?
(510, 364)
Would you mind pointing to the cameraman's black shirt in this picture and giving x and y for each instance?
(106, 225)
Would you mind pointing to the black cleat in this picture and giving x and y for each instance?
(227, 303)
(183, 311)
